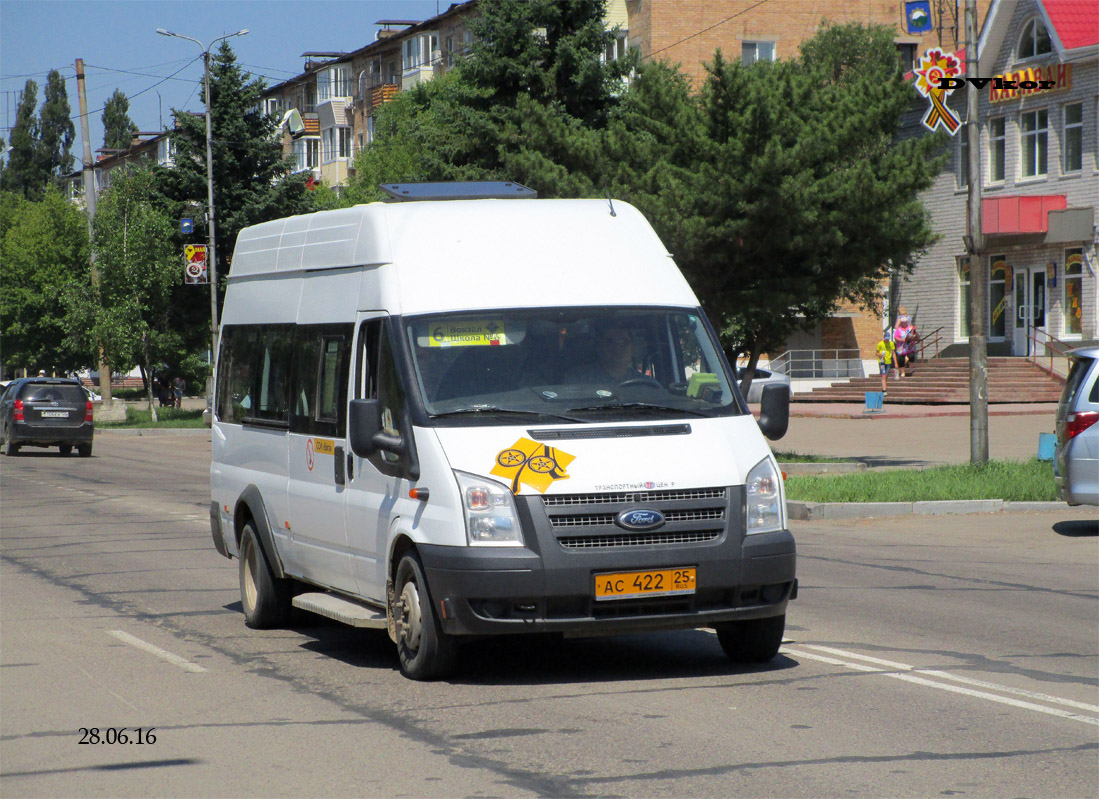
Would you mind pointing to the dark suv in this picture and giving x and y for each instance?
(46, 412)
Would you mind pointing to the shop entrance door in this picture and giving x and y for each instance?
(1030, 306)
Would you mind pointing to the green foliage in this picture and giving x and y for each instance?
(23, 174)
(56, 129)
(784, 191)
(137, 269)
(43, 257)
(173, 418)
(118, 128)
(252, 184)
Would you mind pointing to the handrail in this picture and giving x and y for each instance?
(1051, 344)
(925, 341)
(818, 364)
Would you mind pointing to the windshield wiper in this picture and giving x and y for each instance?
(616, 406)
(494, 409)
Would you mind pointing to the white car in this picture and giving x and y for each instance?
(763, 377)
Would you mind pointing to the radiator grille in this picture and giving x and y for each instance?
(597, 519)
(639, 539)
(560, 500)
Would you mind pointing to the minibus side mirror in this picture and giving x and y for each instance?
(364, 421)
(774, 411)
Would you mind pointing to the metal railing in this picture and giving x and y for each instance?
(932, 338)
(1050, 347)
(835, 363)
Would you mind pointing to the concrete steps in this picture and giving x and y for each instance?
(946, 381)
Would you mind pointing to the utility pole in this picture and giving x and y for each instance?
(89, 204)
(978, 277)
(211, 251)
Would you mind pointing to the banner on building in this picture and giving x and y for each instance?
(917, 16)
(194, 264)
(933, 67)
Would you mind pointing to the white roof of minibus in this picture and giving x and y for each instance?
(436, 256)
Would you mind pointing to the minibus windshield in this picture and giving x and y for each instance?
(522, 366)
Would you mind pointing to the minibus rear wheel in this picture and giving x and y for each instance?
(426, 652)
(752, 640)
(264, 598)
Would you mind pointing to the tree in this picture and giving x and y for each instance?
(56, 131)
(23, 174)
(43, 255)
(252, 180)
(118, 128)
(798, 194)
(523, 106)
(138, 268)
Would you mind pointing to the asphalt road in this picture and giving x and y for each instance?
(926, 656)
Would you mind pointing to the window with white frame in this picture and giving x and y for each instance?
(963, 160)
(419, 51)
(1034, 143)
(997, 149)
(166, 152)
(307, 153)
(1034, 40)
(272, 106)
(344, 142)
(1072, 148)
(1073, 300)
(616, 48)
(751, 52)
(333, 83)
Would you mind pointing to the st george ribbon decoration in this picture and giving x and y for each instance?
(933, 67)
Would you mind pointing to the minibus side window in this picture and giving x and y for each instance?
(273, 401)
(319, 387)
(236, 372)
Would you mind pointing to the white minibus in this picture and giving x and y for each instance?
(486, 415)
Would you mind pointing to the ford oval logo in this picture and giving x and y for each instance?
(640, 519)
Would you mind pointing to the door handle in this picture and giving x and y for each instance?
(339, 467)
(350, 467)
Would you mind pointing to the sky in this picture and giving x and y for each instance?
(121, 50)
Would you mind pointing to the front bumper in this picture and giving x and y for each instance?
(518, 590)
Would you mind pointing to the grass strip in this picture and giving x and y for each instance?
(167, 418)
(1012, 481)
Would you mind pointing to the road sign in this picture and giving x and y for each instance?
(194, 261)
(186, 226)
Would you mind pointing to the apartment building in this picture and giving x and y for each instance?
(337, 95)
(1039, 168)
(146, 147)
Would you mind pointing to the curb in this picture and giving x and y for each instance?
(798, 468)
(813, 511)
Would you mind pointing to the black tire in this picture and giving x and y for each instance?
(12, 448)
(85, 450)
(753, 640)
(66, 450)
(426, 652)
(264, 598)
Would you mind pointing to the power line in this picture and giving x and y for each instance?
(706, 30)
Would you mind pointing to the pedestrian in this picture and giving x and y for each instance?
(887, 357)
(178, 385)
(905, 338)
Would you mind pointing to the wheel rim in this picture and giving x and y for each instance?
(411, 620)
(250, 590)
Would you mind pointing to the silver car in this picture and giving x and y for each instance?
(763, 377)
(1076, 463)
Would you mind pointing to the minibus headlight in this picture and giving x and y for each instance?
(764, 502)
(489, 509)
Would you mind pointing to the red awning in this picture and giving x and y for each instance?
(1006, 216)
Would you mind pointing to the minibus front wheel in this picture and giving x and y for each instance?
(426, 652)
(264, 598)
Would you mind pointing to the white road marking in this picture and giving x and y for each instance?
(945, 675)
(907, 677)
(163, 654)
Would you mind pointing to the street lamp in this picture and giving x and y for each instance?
(211, 253)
